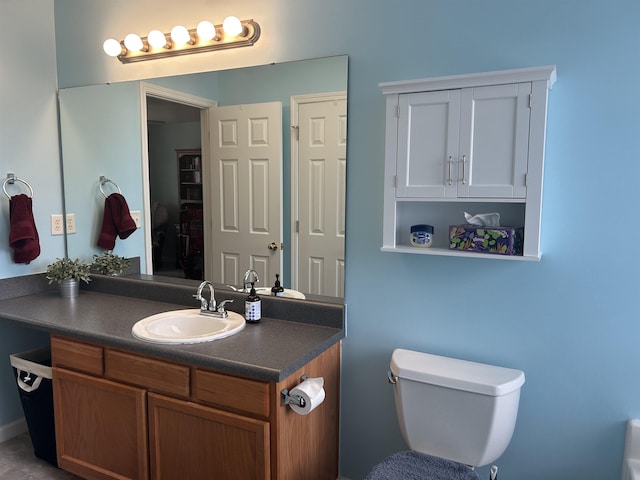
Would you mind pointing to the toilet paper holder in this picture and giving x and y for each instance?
(286, 399)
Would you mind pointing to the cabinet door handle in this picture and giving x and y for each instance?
(450, 179)
(464, 162)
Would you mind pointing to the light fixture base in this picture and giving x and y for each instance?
(222, 41)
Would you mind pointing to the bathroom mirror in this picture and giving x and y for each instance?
(132, 134)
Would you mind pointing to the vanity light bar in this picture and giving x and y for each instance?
(247, 33)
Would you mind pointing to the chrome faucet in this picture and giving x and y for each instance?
(247, 280)
(210, 307)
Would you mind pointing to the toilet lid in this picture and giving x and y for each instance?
(455, 373)
(410, 465)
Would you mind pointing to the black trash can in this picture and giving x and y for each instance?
(33, 376)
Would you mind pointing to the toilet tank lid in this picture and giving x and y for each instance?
(454, 373)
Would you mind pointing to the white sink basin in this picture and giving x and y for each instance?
(288, 293)
(186, 326)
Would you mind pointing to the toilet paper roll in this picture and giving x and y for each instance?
(311, 392)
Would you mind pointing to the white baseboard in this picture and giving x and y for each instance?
(13, 429)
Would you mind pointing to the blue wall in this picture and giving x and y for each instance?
(28, 127)
(107, 143)
(28, 148)
(570, 321)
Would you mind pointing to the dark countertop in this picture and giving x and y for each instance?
(269, 351)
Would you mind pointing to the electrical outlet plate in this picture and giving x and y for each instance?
(135, 214)
(71, 223)
(57, 225)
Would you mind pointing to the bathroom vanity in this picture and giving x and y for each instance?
(120, 414)
(129, 409)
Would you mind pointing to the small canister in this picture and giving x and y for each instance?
(421, 235)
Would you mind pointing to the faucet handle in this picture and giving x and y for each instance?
(221, 305)
(204, 305)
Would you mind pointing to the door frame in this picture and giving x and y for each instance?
(296, 101)
(175, 96)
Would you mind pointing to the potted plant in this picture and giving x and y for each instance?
(108, 263)
(67, 273)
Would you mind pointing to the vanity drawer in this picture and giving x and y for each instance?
(74, 355)
(243, 394)
(156, 375)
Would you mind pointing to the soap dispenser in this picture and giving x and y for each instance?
(253, 306)
(277, 290)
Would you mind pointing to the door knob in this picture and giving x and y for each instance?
(273, 246)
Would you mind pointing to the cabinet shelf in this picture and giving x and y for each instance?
(453, 253)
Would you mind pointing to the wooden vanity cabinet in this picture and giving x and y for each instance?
(101, 427)
(192, 441)
(121, 415)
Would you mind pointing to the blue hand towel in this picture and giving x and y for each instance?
(410, 465)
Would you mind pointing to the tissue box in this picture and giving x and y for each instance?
(496, 240)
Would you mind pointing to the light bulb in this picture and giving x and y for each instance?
(206, 30)
(180, 35)
(112, 47)
(157, 39)
(133, 42)
(232, 26)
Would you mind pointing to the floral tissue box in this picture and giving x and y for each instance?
(496, 240)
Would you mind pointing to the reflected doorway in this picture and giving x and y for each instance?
(175, 188)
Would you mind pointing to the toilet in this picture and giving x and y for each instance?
(454, 415)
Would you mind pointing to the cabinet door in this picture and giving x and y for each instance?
(494, 141)
(428, 137)
(194, 442)
(101, 428)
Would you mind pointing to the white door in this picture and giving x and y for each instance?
(494, 141)
(246, 193)
(321, 179)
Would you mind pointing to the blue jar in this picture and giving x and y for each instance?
(421, 236)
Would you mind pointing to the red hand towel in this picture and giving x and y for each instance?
(23, 235)
(116, 221)
(124, 223)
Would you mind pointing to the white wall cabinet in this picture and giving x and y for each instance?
(470, 143)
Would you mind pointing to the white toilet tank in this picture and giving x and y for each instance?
(455, 409)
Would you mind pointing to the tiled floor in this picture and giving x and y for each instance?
(17, 462)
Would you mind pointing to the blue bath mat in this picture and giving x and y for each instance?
(410, 465)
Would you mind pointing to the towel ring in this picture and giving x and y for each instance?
(104, 180)
(11, 179)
